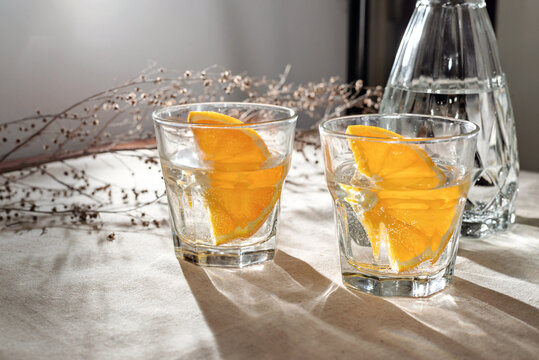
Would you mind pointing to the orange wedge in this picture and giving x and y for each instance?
(413, 215)
(223, 148)
(393, 164)
(242, 188)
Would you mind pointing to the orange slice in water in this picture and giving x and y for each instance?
(413, 215)
(226, 149)
(242, 189)
(393, 164)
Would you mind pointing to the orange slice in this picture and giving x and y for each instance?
(242, 188)
(393, 164)
(226, 149)
(413, 215)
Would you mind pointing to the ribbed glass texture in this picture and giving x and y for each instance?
(448, 64)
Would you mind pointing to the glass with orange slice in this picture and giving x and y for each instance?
(399, 185)
(224, 166)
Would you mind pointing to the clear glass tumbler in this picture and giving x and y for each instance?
(448, 65)
(399, 185)
(224, 166)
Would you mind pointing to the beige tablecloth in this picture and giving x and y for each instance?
(68, 292)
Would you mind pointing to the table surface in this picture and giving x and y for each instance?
(68, 292)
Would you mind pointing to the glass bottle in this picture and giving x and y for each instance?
(448, 64)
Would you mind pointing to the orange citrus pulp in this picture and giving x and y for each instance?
(413, 215)
(241, 189)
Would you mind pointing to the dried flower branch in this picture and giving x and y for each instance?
(119, 118)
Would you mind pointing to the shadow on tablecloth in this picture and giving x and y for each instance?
(527, 221)
(287, 309)
(512, 252)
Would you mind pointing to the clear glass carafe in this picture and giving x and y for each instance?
(448, 65)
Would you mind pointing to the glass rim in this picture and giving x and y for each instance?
(452, 2)
(415, 140)
(158, 117)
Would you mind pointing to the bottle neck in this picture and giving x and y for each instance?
(471, 3)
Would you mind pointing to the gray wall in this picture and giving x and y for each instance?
(518, 40)
(55, 52)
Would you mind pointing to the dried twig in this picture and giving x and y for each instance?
(117, 119)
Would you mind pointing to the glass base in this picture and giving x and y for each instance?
(225, 256)
(419, 286)
(479, 227)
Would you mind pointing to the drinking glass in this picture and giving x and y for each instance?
(224, 166)
(399, 185)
